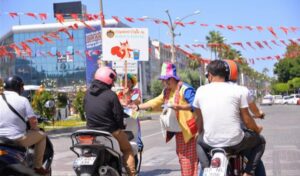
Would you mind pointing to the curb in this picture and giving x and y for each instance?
(64, 131)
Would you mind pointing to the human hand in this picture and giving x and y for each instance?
(33, 123)
(259, 129)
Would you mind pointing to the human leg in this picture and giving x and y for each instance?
(127, 151)
(202, 150)
(38, 139)
(187, 155)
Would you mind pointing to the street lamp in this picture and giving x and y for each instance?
(172, 28)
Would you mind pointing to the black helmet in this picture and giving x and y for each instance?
(14, 83)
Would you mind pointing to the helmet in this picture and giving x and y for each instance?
(14, 83)
(106, 75)
(231, 70)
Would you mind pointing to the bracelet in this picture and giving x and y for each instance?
(138, 108)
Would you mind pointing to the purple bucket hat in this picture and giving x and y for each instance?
(168, 70)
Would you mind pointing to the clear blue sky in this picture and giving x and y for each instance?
(264, 13)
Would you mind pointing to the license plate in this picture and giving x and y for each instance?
(85, 160)
(213, 172)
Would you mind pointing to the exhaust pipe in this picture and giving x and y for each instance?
(103, 170)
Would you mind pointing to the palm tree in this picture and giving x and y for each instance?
(215, 37)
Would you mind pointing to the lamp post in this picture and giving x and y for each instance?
(172, 28)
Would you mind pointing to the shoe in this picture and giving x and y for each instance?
(41, 171)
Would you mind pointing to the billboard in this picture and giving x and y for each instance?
(125, 43)
(93, 48)
(119, 66)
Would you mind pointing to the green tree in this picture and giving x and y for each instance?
(280, 88)
(287, 69)
(156, 87)
(39, 100)
(78, 103)
(215, 37)
(296, 83)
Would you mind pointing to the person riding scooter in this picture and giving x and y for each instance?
(105, 112)
(15, 111)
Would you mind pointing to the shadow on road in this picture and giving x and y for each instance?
(158, 172)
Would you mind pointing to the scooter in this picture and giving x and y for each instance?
(98, 152)
(224, 164)
(16, 160)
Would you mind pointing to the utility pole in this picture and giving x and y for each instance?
(102, 15)
(172, 28)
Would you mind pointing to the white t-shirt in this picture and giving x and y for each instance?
(220, 105)
(11, 126)
(245, 91)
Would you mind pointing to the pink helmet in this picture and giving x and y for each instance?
(105, 75)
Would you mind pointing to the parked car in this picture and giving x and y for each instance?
(278, 99)
(294, 99)
(286, 99)
(267, 100)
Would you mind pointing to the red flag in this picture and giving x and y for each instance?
(188, 46)
(157, 21)
(58, 54)
(29, 41)
(16, 48)
(272, 31)
(277, 57)
(60, 17)
(220, 26)
(67, 32)
(240, 27)
(75, 16)
(266, 43)
(13, 14)
(38, 41)
(179, 23)
(239, 44)
(89, 17)
(273, 41)
(204, 25)
(249, 44)
(230, 27)
(293, 42)
(249, 27)
(259, 44)
(129, 19)
(269, 57)
(283, 42)
(88, 26)
(31, 15)
(74, 26)
(141, 19)
(79, 53)
(294, 29)
(259, 28)
(47, 39)
(191, 23)
(50, 54)
(284, 29)
(43, 16)
(54, 35)
(165, 22)
(116, 18)
(26, 48)
(95, 16)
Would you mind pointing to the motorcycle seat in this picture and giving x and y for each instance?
(12, 144)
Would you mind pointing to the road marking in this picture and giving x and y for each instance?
(154, 134)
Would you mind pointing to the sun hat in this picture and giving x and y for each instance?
(132, 78)
(168, 70)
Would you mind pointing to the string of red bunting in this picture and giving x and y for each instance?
(60, 18)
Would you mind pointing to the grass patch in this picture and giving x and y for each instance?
(72, 121)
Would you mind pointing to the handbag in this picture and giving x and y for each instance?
(16, 112)
(169, 120)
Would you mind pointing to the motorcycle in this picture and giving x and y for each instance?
(224, 164)
(98, 152)
(16, 160)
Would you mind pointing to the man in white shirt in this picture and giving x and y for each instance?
(221, 108)
(13, 127)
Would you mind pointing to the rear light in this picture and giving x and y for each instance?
(216, 162)
(85, 139)
(3, 152)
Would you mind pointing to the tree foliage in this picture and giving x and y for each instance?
(280, 88)
(78, 103)
(287, 69)
(156, 87)
(38, 103)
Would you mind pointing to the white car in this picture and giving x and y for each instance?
(267, 100)
(286, 99)
(278, 99)
(294, 99)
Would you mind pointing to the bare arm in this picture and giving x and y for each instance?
(249, 122)
(256, 111)
(199, 120)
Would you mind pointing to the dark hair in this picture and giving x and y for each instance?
(217, 68)
(14, 83)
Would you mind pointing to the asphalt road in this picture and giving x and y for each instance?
(281, 157)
